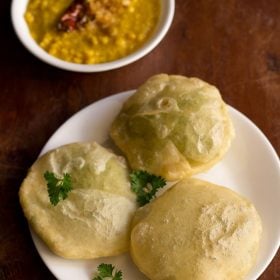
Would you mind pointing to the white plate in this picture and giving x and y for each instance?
(251, 167)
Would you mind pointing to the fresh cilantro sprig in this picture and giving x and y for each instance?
(58, 187)
(145, 185)
(107, 270)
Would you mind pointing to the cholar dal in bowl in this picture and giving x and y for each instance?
(91, 31)
(64, 19)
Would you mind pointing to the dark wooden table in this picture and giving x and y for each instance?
(232, 44)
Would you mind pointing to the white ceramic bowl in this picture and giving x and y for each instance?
(21, 28)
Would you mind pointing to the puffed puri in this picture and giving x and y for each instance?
(196, 231)
(94, 220)
(173, 126)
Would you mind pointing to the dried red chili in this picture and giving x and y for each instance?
(103, 12)
(75, 16)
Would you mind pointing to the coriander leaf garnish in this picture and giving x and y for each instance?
(145, 185)
(58, 187)
(118, 276)
(107, 270)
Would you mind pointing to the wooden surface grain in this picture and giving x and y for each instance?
(232, 44)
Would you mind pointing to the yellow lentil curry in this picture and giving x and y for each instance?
(113, 33)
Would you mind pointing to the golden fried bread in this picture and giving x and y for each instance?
(94, 220)
(196, 231)
(173, 126)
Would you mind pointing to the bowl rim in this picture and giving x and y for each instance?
(20, 26)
